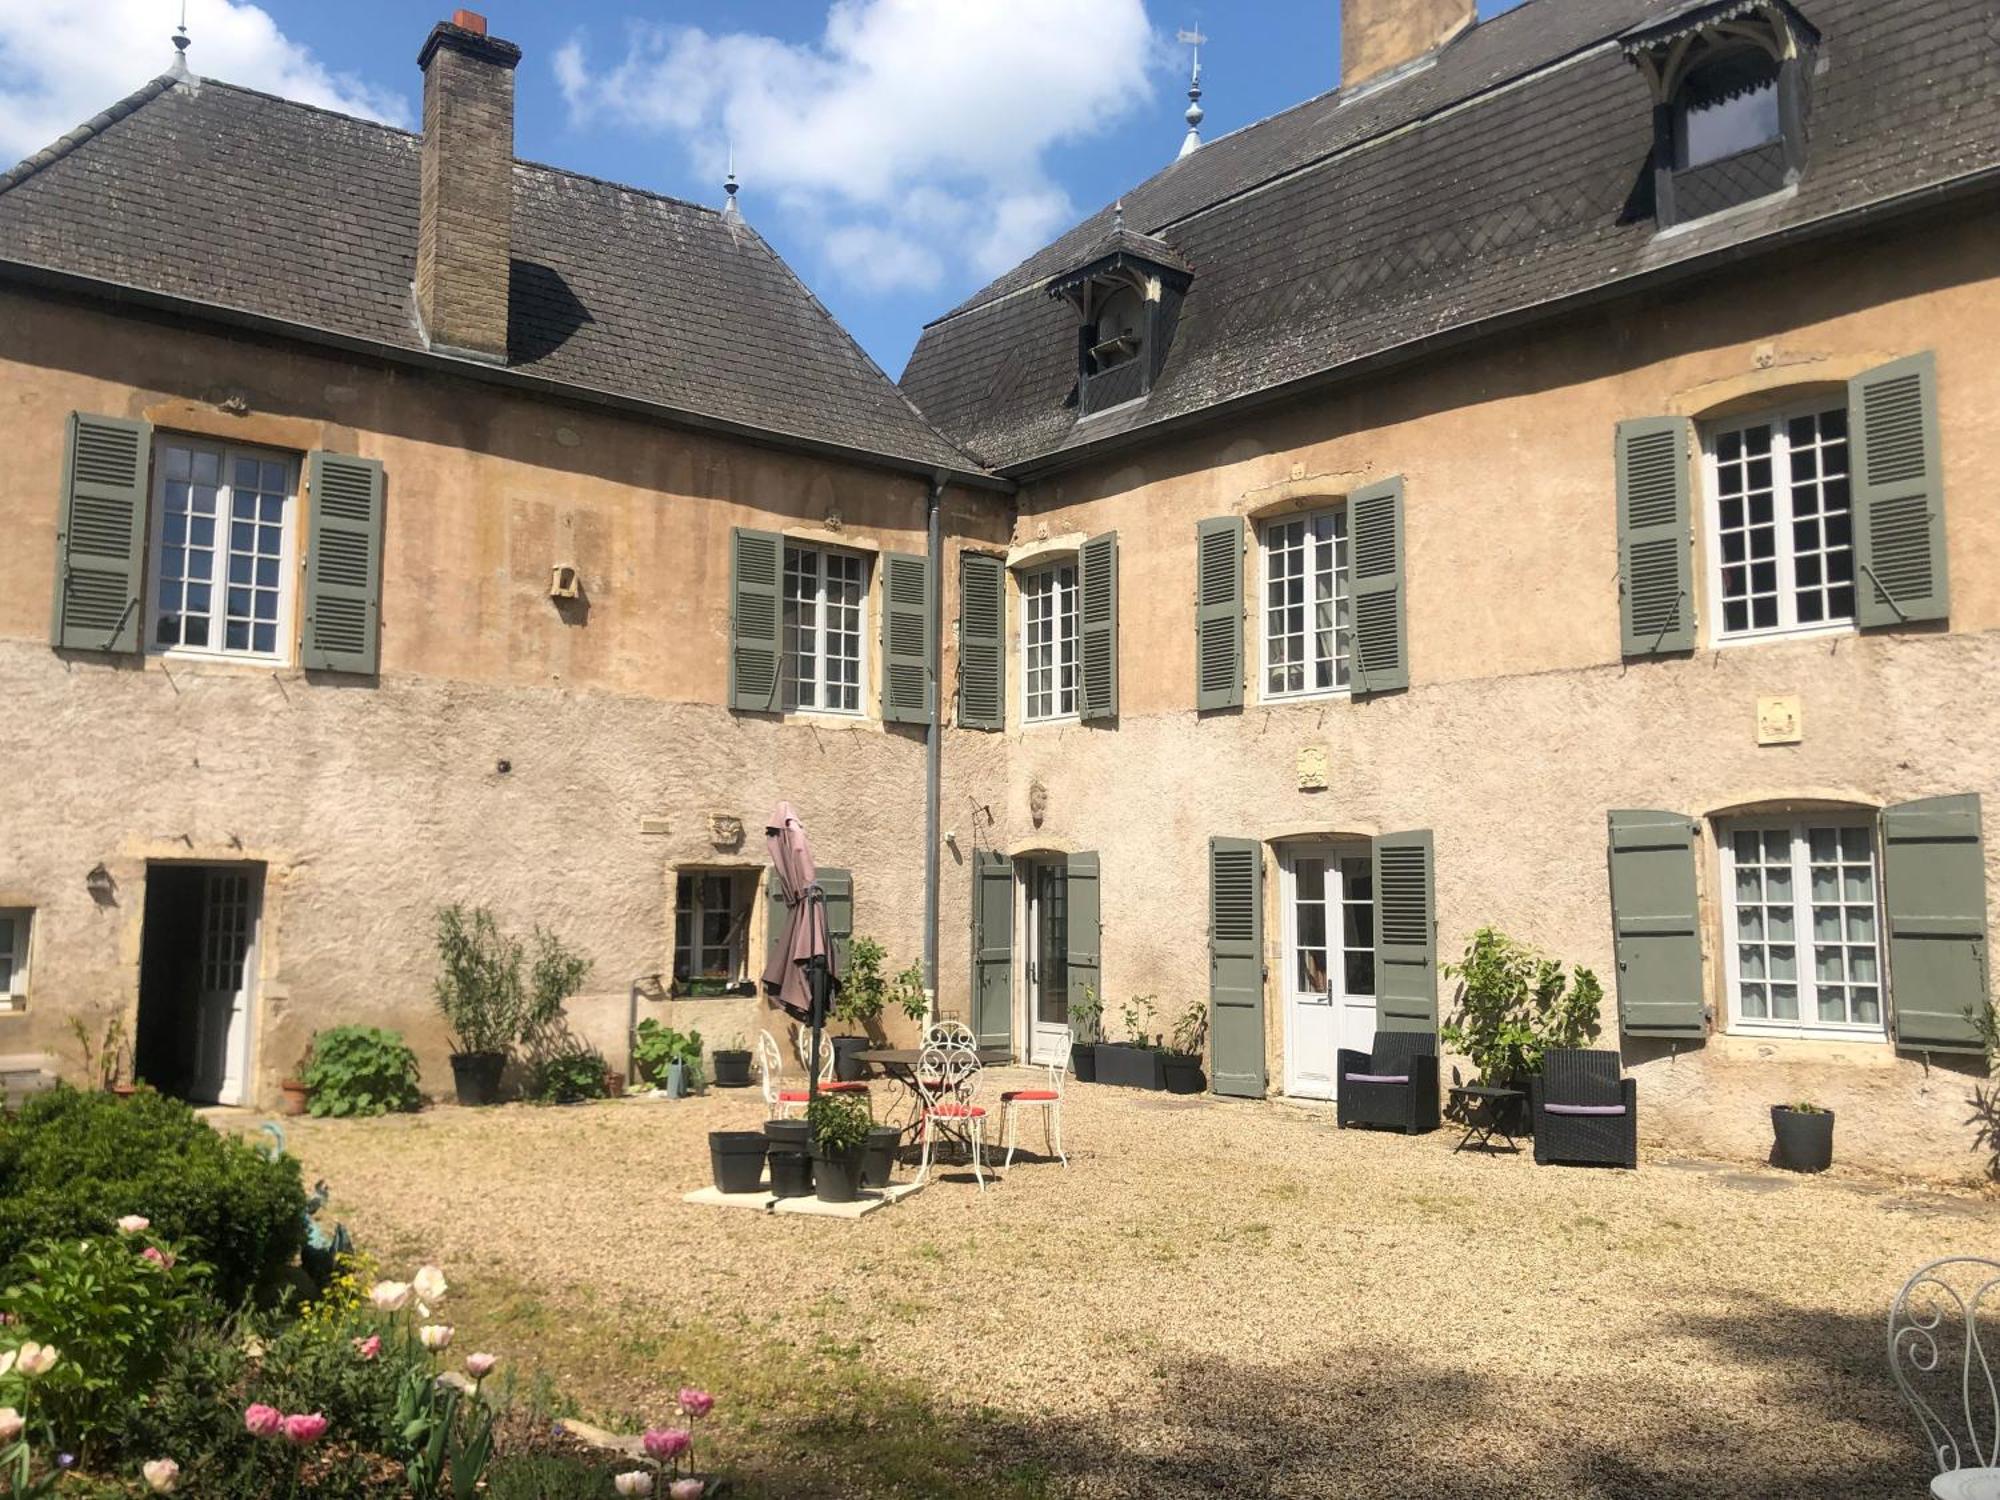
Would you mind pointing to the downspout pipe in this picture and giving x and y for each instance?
(934, 735)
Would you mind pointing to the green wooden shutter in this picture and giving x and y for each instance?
(776, 913)
(1406, 994)
(1098, 624)
(1934, 891)
(101, 537)
(839, 888)
(1898, 492)
(343, 615)
(992, 948)
(1655, 537)
(1218, 613)
(756, 566)
(1381, 600)
(1236, 967)
(907, 673)
(982, 641)
(1656, 925)
(1083, 912)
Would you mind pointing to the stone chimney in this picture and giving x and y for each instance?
(1379, 36)
(465, 232)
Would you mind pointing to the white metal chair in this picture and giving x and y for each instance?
(1938, 1358)
(782, 1102)
(950, 1034)
(802, 1040)
(948, 1091)
(1048, 1099)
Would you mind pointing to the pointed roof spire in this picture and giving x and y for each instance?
(181, 43)
(1195, 113)
(1118, 216)
(729, 184)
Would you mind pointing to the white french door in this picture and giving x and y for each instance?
(1329, 961)
(229, 917)
(1047, 928)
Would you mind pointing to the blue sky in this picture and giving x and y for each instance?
(898, 153)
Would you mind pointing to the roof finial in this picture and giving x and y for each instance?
(1118, 217)
(181, 42)
(729, 208)
(1195, 112)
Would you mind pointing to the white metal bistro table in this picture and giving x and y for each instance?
(1967, 1484)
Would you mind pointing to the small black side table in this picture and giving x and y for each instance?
(1487, 1112)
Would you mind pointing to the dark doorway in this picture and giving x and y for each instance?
(196, 971)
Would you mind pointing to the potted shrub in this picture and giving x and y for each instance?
(788, 1149)
(1180, 1065)
(1512, 1005)
(839, 1126)
(669, 1060)
(736, 1158)
(359, 1070)
(570, 1076)
(1136, 1062)
(480, 993)
(1804, 1134)
(731, 1064)
(1085, 1016)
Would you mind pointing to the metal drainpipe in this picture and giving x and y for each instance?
(933, 738)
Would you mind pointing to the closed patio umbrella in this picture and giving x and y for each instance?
(799, 975)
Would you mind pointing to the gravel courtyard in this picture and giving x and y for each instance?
(1215, 1298)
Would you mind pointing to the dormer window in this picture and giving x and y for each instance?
(1127, 297)
(1729, 90)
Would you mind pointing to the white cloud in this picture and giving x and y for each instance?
(912, 137)
(62, 61)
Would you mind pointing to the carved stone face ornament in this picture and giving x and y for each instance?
(1038, 801)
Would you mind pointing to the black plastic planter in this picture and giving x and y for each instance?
(476, 1076)
(736, 1157)
(837, 1174)
(847, 1068)
(1182, 1075)
(880, 1159)
(1083, 1061)
(791, 1165)
(732, 1069)
(1805, 1140)
(1130, 1067)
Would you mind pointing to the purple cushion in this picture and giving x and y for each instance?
(1378, 1077)
(1584, 1109)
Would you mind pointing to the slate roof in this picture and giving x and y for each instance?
(1498, 179)
(281, 211)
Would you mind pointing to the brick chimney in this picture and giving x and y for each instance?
(1379, 36)
(465, 233)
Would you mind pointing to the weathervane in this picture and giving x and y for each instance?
(181, 42)
(729, 185)
(1193, 39)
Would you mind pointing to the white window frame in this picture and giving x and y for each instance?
(1808, 1026)
(19, 924)
(285, 634)
(1788, 626)
(1045, 577)
(696, 908)
(1343, 667)
(789, 658)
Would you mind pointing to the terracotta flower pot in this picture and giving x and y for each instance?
(298, 1094)
(614, 1085)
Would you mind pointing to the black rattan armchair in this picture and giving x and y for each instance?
(1583, 1111)
(1395, 1085)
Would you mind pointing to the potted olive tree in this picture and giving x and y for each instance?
(1086, 1015)
(865, 993)
(482, 997)
(839, 1126)
(1804, 1134)
(1513, 1005)
(1180, 1063)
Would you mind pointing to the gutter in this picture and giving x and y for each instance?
(1877, 211)
(48, 278)
(934, 734)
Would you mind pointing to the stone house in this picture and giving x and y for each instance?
(1540, 483)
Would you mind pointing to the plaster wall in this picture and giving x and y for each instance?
(1522, 725)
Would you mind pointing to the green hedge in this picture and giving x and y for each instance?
(72, 1163)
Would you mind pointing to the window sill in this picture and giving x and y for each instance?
(1723, 215)
(1318, 695)
(1061, 721)
(1791, 633)
(182, 658)
(1857, 1036)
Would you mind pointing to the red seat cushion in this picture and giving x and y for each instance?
(958, 1112)
(1030, 1096)
(792, 1096)
(850, 1087)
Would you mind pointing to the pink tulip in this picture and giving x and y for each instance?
(687, 1489)
(479, 1366)
(667, 1443)
(262, 1421)
(11, 1423)
(435, 1337)
(633, 1482)
(369, 1347)
(696, 1403)
(306, 1427)
(158, 1257)
(134, 1224)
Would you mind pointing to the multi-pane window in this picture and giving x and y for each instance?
(14, 954)
(1048, 642)
(1308, 616)
(826, 595)
(223, 546)
(1334, 912)
(1781, 512)
(711, 922)
(1802, 927)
